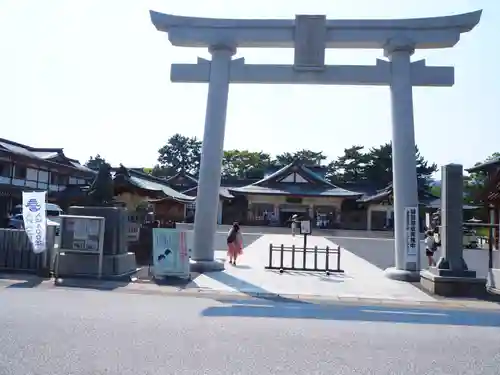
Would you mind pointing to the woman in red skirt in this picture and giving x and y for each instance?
(234, 243)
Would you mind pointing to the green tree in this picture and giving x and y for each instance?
(349, 167)
(180, 154)
(96, 162)
(244, 164)
(379, 167)
(307, 157)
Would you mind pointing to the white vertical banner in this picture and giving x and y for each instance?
(35, 219)
(412, 235)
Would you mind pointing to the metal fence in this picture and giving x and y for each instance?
(16, 253)
(292, 258)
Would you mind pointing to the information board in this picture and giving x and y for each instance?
(170, 253)
(82, 233)
(305, 227)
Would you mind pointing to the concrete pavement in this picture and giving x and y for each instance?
(62, 332)
(380, 253)
(361, 279)
(176, 289)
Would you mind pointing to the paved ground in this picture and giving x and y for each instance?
(380, 253)
(361, 278)
(63, 332)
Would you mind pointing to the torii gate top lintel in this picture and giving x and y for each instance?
(432, 32)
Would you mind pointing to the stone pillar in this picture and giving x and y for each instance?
(404, 167)
(451, 231)
(207, 200)
(451, 277)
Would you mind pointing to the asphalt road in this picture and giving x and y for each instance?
(380, 252)
(61, 332)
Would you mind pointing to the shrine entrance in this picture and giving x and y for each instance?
(310, 36)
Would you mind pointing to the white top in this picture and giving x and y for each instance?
(429, 242)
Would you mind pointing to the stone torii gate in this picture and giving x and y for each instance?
(309, 36)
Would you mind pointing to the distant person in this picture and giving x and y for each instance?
(295, 221)
(430, 247)
(234, 243)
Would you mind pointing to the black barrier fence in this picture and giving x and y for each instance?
(297, 259)
(16, 254)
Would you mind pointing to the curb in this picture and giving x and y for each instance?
(172, 290)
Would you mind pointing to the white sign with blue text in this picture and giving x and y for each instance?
(170, 253)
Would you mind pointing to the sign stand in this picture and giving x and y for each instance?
(170, 253)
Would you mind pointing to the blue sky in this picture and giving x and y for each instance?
(93, 77)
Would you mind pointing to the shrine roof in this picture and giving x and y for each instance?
(155, 184)
(223, 192)
(424, 197)
(295, 179)
(180, 176)
(486, 166)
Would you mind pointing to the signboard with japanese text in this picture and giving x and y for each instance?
(82, 233)
(412, 235)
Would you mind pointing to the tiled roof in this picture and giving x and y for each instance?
(377, 196)
(295, 189)
(488, 165)
(148, 182)
(54, 155)
(295, 166)
(184, 175)
(224, 192)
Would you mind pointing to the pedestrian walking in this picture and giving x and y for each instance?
(294, 224)
(430, 247)
(234, 243)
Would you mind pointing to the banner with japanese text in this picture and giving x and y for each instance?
(35, 219)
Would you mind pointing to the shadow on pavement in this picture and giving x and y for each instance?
(249, 289)
(93, 284)
(269, 309)
(26, 284)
